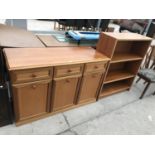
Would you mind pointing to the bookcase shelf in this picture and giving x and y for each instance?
(126, 51)
(124, 57)
(118, 75)
(112, 88)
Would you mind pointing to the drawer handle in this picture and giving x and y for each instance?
(69, 70)
(67, 81)
(34, 86)
(34, 75)
(96, 67)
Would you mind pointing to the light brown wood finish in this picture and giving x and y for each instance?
(26, 58)
(68, 70)
(30, 75)
(31, 99)
(64, 70)
(112, 88)
(64, 92)
(124, 57)
(15, 37)
(89, 88)
(50, 41)
(126, 51)
(95, 67)
(127, 36)
(118, 75)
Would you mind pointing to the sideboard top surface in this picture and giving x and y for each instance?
(24, 58)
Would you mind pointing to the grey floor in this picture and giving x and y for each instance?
(121, 113)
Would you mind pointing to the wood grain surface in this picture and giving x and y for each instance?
(24, 58)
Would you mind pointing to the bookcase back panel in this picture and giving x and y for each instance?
(133, 67)
(123, 46)
(136, 47)
(140, 47)
(126, 66)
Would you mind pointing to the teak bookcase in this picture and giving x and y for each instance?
(126, 51)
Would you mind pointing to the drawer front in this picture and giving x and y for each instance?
(93, 67)
(63, 71)
(30, 75)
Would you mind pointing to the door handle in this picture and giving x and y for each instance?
(34, 86)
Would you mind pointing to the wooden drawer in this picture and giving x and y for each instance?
(62, 71)
(30, 75)
(93, 67)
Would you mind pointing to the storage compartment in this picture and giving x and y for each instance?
(94, 67)
(89, 87)
(68, 70)
(115, 87)
(122, 70)
(30, 75)
(64, 92)
(31, 99)
(130, 51)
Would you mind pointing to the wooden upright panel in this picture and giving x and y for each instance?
(106, 45)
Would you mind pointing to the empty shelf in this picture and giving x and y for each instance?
(118, 75)
(122, 57)
(109, 89)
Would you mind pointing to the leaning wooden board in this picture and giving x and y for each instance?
(49, 80)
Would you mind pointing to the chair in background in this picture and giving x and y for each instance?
(147, 71)
(91, 24)
(149, 76)
(104, 24)
(134, 25)
(80, 24)
(66, 23)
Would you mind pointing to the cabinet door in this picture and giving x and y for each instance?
(64, 92)
(89, 87)
(31, 99)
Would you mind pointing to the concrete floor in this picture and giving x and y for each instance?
(121, 113)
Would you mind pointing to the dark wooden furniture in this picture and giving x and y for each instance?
(147, 71)
(49, 80)
(149, 76)
(5, 106)
(104, 24)
(11, 37)
(126, 51)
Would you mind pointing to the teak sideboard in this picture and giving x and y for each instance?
(46, 81)
(49, 80)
